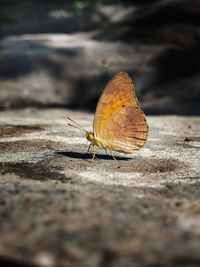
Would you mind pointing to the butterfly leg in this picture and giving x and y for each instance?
(110, 151)
(89, 147)
(106, 150)
(94, 152)
(118, 165)
(113, 156)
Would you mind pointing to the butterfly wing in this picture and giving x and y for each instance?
(119, 122)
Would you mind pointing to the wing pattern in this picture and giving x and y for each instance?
(119, 122)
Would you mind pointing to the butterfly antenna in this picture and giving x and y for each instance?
(78, 126)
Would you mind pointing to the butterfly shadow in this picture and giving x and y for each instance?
(78, 155)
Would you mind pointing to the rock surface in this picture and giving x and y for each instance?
(66, 70)
(57, 208)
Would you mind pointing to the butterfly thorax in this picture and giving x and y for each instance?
(90, 137)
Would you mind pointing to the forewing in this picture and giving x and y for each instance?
(118, 93)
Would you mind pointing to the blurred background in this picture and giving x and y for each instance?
(62, 53)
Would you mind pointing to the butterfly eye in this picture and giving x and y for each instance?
(123, 106)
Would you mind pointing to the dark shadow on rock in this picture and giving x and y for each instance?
(177, 81)
(34, 171)
(172, 22)
(148, 165)
(169, 13)
(91, 87)
(176, 63)
(8, 262)
(78, 155)
(8, 130)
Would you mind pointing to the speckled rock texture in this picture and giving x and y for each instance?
(57, 208)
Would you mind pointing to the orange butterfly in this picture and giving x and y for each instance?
(119, 122)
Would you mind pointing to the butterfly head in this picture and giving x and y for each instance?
(90, 137)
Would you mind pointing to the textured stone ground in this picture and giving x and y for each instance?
(57, 208)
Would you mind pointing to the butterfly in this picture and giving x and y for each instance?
(119, 122)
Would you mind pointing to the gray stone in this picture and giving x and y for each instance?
(58, 208)
(66, 70)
